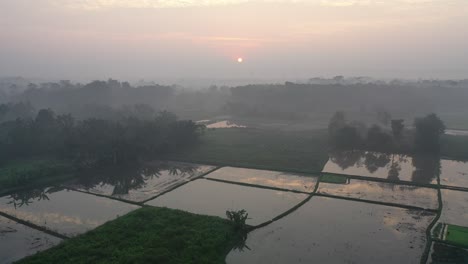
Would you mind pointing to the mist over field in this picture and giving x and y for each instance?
(234, 131)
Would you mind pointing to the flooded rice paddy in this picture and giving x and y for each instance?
(455, 208)
(275, 179)
(66, 212)
(383, 166)
(143, 184)
(383, 192)
(215, 198)
(381, 228)
(328, 230)
(18, 241)
(454, 173)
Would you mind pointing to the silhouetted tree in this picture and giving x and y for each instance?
(397, 128)
(377, 139)
(427, 133)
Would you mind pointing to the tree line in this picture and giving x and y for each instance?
(94, 141)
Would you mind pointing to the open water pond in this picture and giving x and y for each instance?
(383, 192)
(215, 198)
(455, 208)
(326, 230)
(454, 173)
(18, 241)
(288, 181)
(142, 183)
(393, 167)
(225, 124)
(65, 212)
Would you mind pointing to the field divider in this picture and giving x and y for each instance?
(245, 166)
(291, 210)
(404, 206)
(454, 188)
(409, 183)
(104, 196)
(180, 185)
(256, 186)
(33, 226)
(429, 239)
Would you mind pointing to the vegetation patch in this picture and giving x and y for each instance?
(331, 178)
(29, 172)
(457, 235)
(298, 151)
(148, 235)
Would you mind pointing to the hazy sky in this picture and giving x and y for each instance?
(151, 39)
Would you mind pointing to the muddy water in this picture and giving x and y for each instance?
(214, 198)
(328, 230)
(383, 192)
(266, 178)
(141, 183)
(18, 241)
(66, 212)
(455, 208)
(393, 167)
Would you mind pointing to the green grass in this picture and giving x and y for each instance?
(457, 235)
(301, 151)
(330, 178)
(31, 172)
(148, 235)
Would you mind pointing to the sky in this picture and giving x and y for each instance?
(151, 39)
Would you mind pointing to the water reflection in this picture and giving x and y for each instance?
(338, 231)
(266, 178)
(383, 192)
(394, 167)
(18, 241)
(209, 197)
(225, 124)
(66, 212)
(137, 182)
(28, 196)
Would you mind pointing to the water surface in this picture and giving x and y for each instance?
(288, 181)
(140, 183)
(225, 124)
(392, 167)
(65, 212)
(383, 192)
(328, 230)
(454, 173)
(18, 241)
(214, 198)
(455, 208)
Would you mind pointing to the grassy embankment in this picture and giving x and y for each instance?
(33, 172)
(148, 235)
(300, 151)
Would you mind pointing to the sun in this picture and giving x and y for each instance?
(240, 60)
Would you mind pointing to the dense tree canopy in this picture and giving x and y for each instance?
(93, 140)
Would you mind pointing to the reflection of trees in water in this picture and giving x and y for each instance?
(27, 197)
(133, 177)
(346, 159)
(427, 168)
(374, 161)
